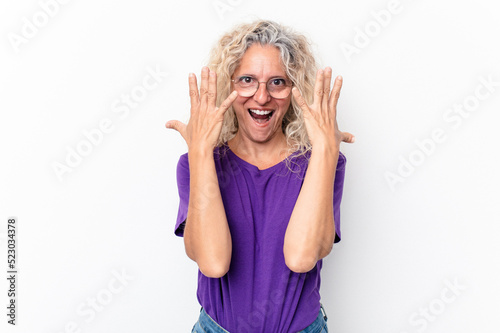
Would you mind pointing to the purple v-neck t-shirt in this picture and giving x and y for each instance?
(259, 293)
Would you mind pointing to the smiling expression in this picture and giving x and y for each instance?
(260, 116)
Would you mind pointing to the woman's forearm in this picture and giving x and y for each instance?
(206, 236)
(311, 230)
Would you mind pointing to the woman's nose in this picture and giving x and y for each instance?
(262, 96)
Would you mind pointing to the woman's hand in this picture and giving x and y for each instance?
(205, 123)
(310, 233)
(321, 117)
(207, 237)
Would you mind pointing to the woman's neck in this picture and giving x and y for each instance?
(260, 153)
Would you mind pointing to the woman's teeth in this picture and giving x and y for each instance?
(261, 112)
(261, 116)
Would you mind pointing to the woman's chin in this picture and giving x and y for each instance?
(262, 133)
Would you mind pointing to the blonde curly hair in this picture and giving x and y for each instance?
(298, 62)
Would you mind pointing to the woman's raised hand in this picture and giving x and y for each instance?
(321, 117)
(205, 123)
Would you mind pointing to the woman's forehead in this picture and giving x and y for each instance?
(261, 60)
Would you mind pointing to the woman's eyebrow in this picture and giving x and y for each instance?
(271, 77)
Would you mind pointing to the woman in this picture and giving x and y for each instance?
(261, 185)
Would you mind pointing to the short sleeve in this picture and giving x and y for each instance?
(338, 188)
(183, 188)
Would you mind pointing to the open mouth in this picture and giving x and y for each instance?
(261, 116)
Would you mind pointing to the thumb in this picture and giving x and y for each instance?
(301, 102)
(348, 137)
(178, 126)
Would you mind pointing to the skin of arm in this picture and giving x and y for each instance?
(310, 233)
(207, 238)
(311, 230)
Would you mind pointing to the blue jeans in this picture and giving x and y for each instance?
(206, 324)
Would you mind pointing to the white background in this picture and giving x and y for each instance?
(115, 211)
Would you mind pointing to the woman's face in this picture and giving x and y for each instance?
(261, 63)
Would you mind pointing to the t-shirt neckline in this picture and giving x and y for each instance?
(254, 167)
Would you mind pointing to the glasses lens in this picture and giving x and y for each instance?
(248, 86)
(278, 87)
(247, 91)
(281, 93)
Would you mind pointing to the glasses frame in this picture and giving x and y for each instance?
(266, 82)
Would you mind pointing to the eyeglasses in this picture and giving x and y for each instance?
(277, 87)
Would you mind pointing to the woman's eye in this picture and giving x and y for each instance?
(245, 79)
(278, 82)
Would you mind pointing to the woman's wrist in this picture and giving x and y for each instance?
(325, 150)
(200, 150)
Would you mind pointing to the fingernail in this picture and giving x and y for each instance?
(339, 77)
(353, 139)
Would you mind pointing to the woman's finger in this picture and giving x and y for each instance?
(301, 102)
(334, 96)
(326, 88)
(193, 91)
(318, 89)
(178, 126)
(212, 89)
(227, 102)
(204, 87)
(348, 137)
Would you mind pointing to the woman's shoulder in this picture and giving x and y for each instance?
(302, 157)
(219, 153)
(341, 161)
(183, 161)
